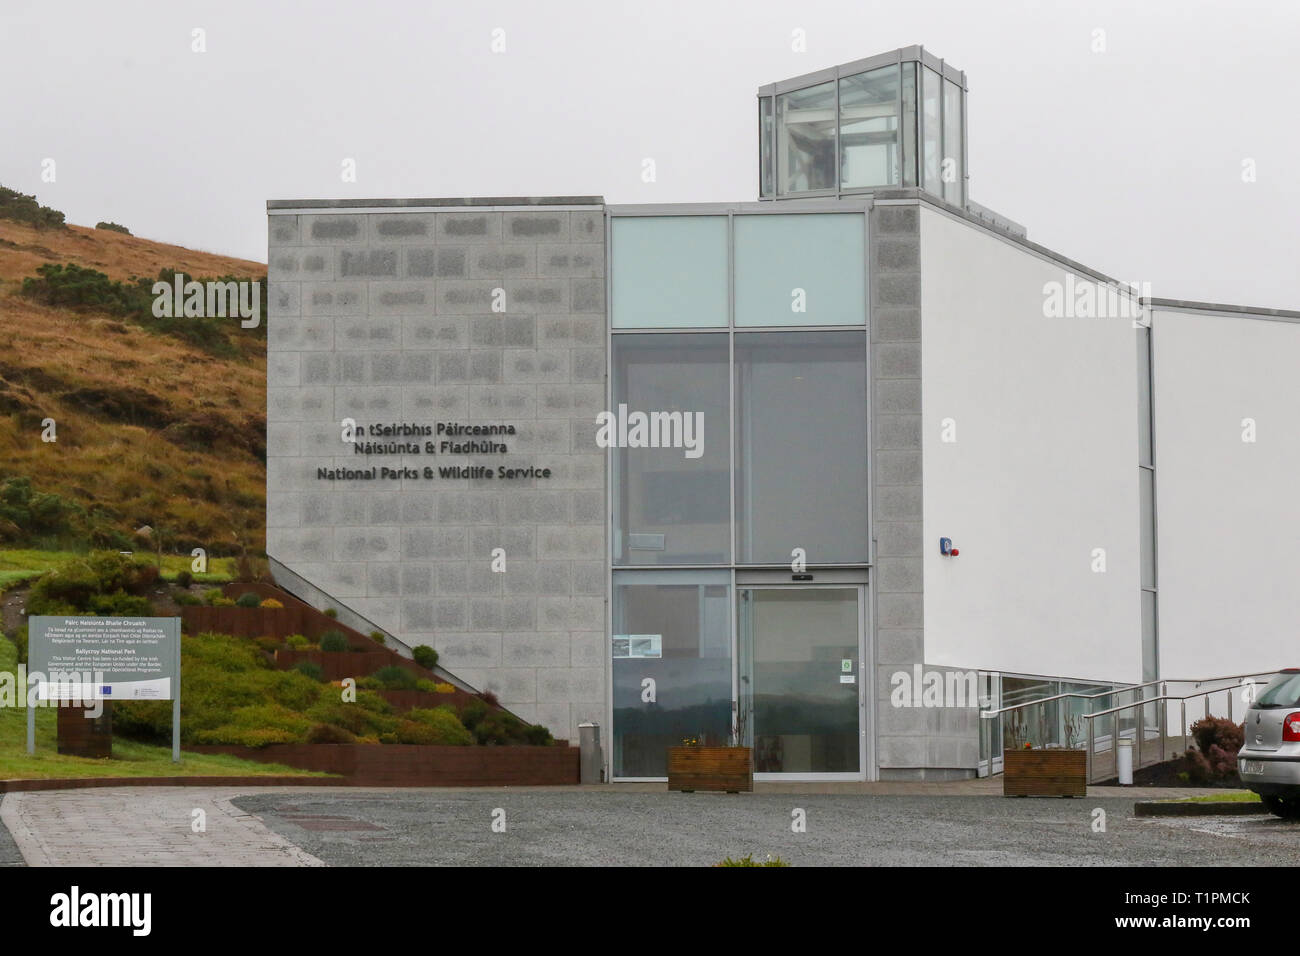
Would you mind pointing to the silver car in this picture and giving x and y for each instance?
(1269, 759)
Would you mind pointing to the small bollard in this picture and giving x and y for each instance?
(1124, 761)
(590, 762)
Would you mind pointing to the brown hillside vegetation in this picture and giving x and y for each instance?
(150, 430)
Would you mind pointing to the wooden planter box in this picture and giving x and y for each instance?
(728, 769)
(1045, 773)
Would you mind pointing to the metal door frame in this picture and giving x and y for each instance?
(866, 673)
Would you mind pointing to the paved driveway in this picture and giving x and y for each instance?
(608, 827)
(613, 826)
(141, 826)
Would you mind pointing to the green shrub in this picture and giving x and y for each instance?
(248, 599)
(119, 603)
(355, 719)
(310, 669)
(425, 656)
(389, 738)
(472, 713)
(212, 595)
(499, 728)
(450, 732)
(329, 734)
(222, 602)
(113, 227)
(256, 725)
(184, 578)
(396, 677)
(331, 612)
(538, 736)
(297, 641)
(334, 641)
(426, 685)
(378, 637)
(20, 641)
(269, 644)
(8, 656)
(187, 600)
(23, 208)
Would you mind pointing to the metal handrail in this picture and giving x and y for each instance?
(1182, 700)
(991, 714)
(1121, 690)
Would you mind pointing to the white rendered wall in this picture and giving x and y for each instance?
(1043, 470)
(1228, 510)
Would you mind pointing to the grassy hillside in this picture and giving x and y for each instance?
(153, 428)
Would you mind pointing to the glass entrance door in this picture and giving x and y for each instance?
(800, 693)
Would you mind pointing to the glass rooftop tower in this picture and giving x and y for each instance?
(897, 119)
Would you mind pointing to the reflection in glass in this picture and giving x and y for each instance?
(869, 153)
(952, 145)
(801, 448)
(806, 139)
(690, 664)
(799, 674)
(931, 134)
(766, 124)
(670, 507)
(909, 124)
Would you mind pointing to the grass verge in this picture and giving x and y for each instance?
(130, 759)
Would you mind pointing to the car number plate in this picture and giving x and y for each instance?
(1252, 766)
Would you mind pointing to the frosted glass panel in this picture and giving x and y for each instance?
(669, 272)
(800, 270)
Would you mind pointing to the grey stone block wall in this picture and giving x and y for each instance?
(911, 742)
(388, 317)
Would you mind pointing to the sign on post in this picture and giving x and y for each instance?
(88, 660)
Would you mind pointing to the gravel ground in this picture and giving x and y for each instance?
(427, 827)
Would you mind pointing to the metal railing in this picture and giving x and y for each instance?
(1061, 726)
(1159, 754)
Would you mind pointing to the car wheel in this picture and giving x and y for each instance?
(1288, 808)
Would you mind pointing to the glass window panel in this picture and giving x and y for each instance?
(675, 628)
(766, 122)
(672, 504)
(951, 172)
(1144, 395)
(669, 271)
(931, 85)
(805, 151)
(909, 124)
(1149, 660)
(800, 269)
(869, 154)
(801, 450)
(1146, 487)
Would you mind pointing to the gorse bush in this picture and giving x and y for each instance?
(20, 207)
(70, 286)
(103, 582)
(395, 677)
(310, 669)
(334, 641)
(27, 514)
(425, 656)
(113, 227)
(248, 599)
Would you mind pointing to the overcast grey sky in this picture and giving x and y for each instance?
(1129, 160)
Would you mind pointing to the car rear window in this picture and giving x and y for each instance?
(1282, 691)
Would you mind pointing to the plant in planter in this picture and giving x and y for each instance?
(1045, 771)
(724, 767)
